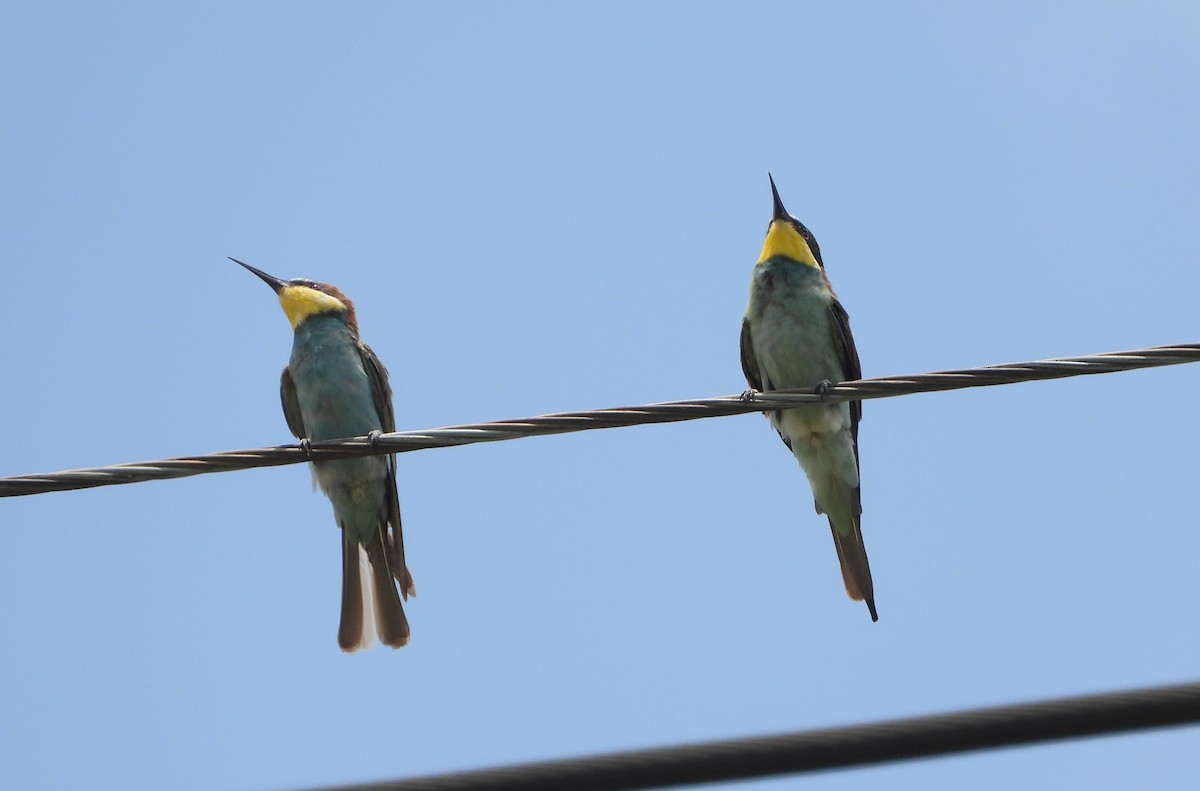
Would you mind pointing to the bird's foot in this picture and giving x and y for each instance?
(306, 448)
(823, 387)
(373, 437)
(747, 397)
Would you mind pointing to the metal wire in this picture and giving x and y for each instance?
(832, 748)
(564, 422)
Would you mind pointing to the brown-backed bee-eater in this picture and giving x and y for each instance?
(796, 334)
(335, 387)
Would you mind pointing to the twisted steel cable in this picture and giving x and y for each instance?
(565, 422)
(832, 748)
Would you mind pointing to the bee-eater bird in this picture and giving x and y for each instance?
(796, 334)
(334, 386)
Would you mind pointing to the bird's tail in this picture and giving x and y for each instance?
(352, 629)
(370, 602)
(843, 506)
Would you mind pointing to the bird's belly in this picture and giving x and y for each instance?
(820, 439)
(357, 489)
(350, 474)
(816, 425)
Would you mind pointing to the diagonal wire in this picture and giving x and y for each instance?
(832, 748)
(565, 422)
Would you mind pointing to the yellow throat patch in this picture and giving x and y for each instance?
(783, 239)
(300, 302)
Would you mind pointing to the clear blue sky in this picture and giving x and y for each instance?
(545, 207)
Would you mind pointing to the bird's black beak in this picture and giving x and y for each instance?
(275, 283)
(780, 212)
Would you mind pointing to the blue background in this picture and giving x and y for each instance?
(542, 207)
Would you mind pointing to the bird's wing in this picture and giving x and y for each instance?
(381, 392)
(291, 405)
(754, 376)
(749, 361)
(843, 339)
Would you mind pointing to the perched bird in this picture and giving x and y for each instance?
(334, 386)
(796, 334)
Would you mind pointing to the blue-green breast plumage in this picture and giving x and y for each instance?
(789, 321)
(335, 398)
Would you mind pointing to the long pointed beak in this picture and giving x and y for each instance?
(275, 283)
(780, 212)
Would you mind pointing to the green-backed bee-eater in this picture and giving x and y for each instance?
(334, 386)
(796, 334)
